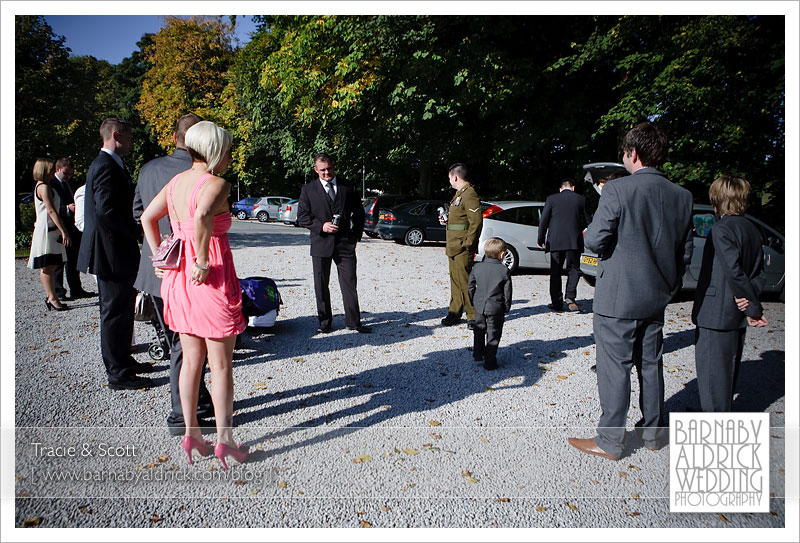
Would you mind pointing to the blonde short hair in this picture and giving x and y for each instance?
(494, 247)
(43, 168)
(208, 143)
(729, 195)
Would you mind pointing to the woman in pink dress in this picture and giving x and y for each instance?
(202, 297)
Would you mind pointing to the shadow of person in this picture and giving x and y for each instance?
(371, 398)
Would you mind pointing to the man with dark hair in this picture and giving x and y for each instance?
(331, 209)
(63, 186)
(110, 250)
(642, 234)
(561, 225)
(153, 177)
(464, 223)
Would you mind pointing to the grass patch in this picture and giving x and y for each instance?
(22, 253)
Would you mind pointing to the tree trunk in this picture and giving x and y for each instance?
(424, 179)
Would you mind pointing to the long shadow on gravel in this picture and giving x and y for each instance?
(438, 379)
(760, 383)
(299, 334)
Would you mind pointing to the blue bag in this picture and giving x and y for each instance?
(259, 296)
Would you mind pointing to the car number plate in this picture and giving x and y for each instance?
(590, 260)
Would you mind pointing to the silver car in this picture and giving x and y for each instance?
(288, 213)
(517, 223)
(772, 242)
(267, 207)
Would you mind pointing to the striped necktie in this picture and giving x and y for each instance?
(329, 190)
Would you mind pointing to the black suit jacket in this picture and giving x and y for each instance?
(153, 177)
(490, 287)
(315, 207)
(66, 192)
(109, 247)
(732, 262)
(561, 221)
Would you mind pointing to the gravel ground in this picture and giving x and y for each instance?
(399, 428)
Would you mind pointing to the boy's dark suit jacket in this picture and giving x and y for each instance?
(315, 208)
(490, 287)
(561, 221)
(109, 247)
(732, 261)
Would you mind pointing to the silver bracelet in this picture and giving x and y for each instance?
(204, 268)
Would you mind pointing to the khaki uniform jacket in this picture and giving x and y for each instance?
(465, 209)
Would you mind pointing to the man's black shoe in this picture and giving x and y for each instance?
(143, 367)
(490, 367)
(132, 383)
(451, 320)
(205, 411)
(82, 294)
(556, 308)
(471, 325)
(361, 329)
(324, 329)
(178, 429)
(594, 368)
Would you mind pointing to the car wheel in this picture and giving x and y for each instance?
(511, 259)
(241, 215)
(262, 216)
(414, 237)
(371, 234)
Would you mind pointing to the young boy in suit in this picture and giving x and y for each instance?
(727, 295)
(490, 292)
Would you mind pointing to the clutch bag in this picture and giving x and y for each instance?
(169, 254)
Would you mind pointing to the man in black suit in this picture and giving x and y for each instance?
(561, 225)
(331, 209)
(727, 296)
(110, 250)
(153, 177)
(642, 233)
(62, 185)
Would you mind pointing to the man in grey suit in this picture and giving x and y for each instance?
(153, 177)
(561, 224)
(642, 233)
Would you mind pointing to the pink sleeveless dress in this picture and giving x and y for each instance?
(212, 309)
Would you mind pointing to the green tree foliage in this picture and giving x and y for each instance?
(715, 83)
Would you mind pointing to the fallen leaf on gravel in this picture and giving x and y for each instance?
(502, 500)
(238, 483)
(155, 518)
(31, 522)
(586, 352)
(631, 466)
(541, 509)
(365, 524)
(634, 514)
(561, 376)
(489, 389)
(164, 458)
(595, 482)
(434, 423)
(299, 360)
(282, 484)
(573, 507)
(550, 403)
(386, 407)
(253, 491)
(384, 508)
(723, 519)
(484, 440)
(635, 496)
(259, 384)
(472, 480)
(362, 458)
(411, 452)
(85, 509)
(436, 436)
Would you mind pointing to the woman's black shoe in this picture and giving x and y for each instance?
(50, 306)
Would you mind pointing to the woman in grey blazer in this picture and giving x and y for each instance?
(727, 295)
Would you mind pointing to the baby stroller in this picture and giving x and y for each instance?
(261, 301)
(146, 311)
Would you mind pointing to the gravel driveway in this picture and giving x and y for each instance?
(398, 428)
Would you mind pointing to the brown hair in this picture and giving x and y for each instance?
(182, 125)
(459, 170)
(651, 144)
(729, 195)
(42, 168)
(64, 163)
(111, 125)
(494, 247)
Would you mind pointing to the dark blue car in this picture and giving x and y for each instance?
(243, 209)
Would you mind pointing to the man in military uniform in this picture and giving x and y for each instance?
(464, 222)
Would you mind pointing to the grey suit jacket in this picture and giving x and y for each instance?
(642, 233)
(490, 287)
(152, 178)
(732, 262)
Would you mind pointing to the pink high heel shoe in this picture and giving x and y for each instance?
(239, 453)
(188, 443)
